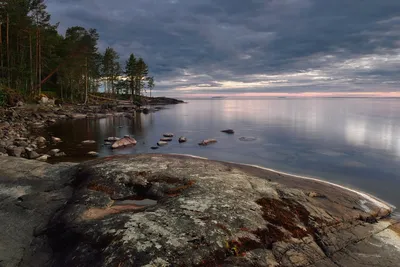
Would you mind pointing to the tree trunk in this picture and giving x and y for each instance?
(40, 64)
(86, 81)
(1, 51)
(31, 64)
(8, 52)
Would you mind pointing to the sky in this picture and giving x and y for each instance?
(250, 47)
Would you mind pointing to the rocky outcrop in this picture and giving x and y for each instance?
(165, 210)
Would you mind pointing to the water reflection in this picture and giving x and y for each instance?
(351, 141)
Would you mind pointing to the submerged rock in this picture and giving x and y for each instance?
(247, 138)
(228, 131)
(87, 142)
(154, 147)
(207, 142)
(126, 141)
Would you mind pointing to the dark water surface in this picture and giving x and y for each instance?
(353, 142)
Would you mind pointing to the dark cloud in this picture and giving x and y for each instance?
(250, 46)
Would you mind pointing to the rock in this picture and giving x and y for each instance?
(21, 143)
(112, 139)
(127, 136)
(43, 157)
(228, 131)
(247, 139)
(3, 154)
(182, 139)
(53, 152)
(166, 139)
(146, 111)
(44, 100)
(32, 155)
(168, 135)
(60, 154)
(51, 121)
(207, 142)
(93, 153)
(154, 147)
(164, 210)
(15, 151)
(315, 194)
(20, 104)
(41, 139)
(87, 142)
(55, 139)
(126, 141)
(106, 143)
(129, 115)
(162, 143)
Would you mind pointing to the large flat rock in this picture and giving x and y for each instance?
(169, 210)
(165, 210)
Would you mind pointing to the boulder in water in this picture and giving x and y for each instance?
(228, 131)
(182, 139)
(206, 142)
(112, 139)
(87, 142)
(93, 153)
(168, 135)
(162, 143)
(166, 139)
(126, 141)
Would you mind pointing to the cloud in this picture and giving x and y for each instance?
(223, 46)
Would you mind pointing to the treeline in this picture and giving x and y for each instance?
(35, 58)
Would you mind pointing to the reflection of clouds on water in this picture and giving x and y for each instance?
(355, 131)
(382, 135)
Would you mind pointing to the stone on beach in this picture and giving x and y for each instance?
(182, 139)
(126, 141)
(207, 142)
(55, 139)
(228, 131)
(53, 152)
(168, 135)
(40, 140)
(43, 157)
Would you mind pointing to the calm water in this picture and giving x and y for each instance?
(353, 142)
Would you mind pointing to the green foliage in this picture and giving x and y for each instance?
(35, 58)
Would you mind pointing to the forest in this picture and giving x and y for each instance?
(35, 59)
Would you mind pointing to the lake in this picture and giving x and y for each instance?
(354, 142)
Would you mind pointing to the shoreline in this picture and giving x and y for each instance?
(369, 197)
